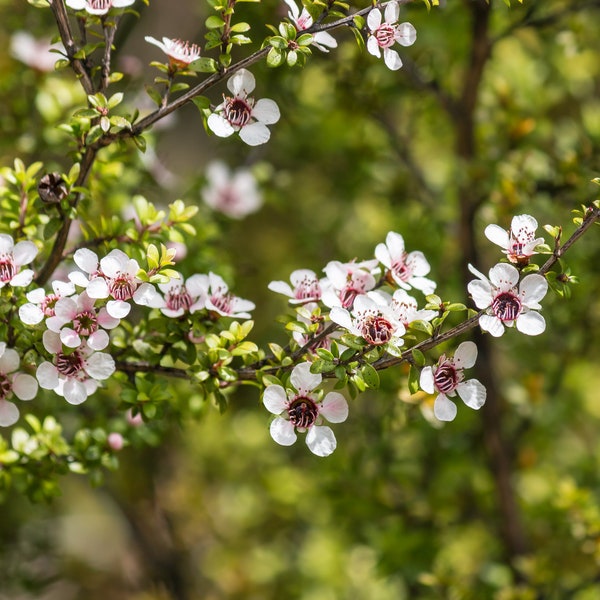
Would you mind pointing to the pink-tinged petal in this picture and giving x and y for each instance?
(9, 413)
(373, 46)
(74, 392)
(51, 341)
(242, 82)
(30, 314)
(334, 408)
(472, 393)
(465, 355)
(374, 19)
(392, 11)
(282, 432)
(523, 222)
(86, 260)
(320, 440)
(395, 243)
(406, 34)
(504, 277)
(294, 10)
(78, 278)
(324, 40)
(22, 279)
(492, 324)
(76, 4)
(36, 296)
(382, 254)
(255, 134)
(2, 348)
(100, 365)
(275, 399)
(423, 284)
(25, 386)
(196, 285)
(106, 321)
(55, 323)
(97, 288)
(65, 309)
(24, 253)
(342, 317)
(122, 3)
(155, 42)
(532, 289)
(281, 287)
(111, 265)
(426, 380)
(47, 375)
(70, 338)
(444, 409)
(418, 263)
(173, 314)
(9, 361)
(219, 125)
(392, 59)
(477, 273)
(531, 323)
(497, 235)
(240, 305)
(98, 340)
(266, 111)
(118, 309)
(63, 288)
(147, 295)
(481, 292)
(303, 380)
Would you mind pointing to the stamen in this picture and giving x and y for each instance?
(377, 330)
(5, 386)
(446, 378)
(506, 306)
(237, 111)
(7, 268)
(303, 412)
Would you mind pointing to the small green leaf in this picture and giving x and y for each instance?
(370, 376)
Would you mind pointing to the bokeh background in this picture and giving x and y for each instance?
(496, 112)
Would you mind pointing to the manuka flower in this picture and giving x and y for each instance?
(406, 309)
(302, 20)
(302, 410)
(74, 375)
(181, 54)
(183, 295)
(345, 281)
(519, 242)
(115, 276)
(407, 270)
(220, 301)
(372, 319)
(242, 114)
(306, 287)
(33, 52)
(235, 194)
(12, 258)
(77, 320)
(446, 378)
(21, 385)
(97, 7)
(41, 305)
(383, 35)
(508, 302)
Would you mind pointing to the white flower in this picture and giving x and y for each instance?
(302, 20)
(180, 53)
(41, 305)
(12, 258)
(383, 35)
(183, 295)
(407, 270)
(372, 318)
(519, 242)
(33, 52)
(97, 7)
(302, 411)
(220, 301)
(406, 309)
(242, 114)
(233, 194)
(505, 303)
(21, 385)
(345, 281)
(306, 287)
(86, 322)
(75, 375)
(446, 378)
(115, 276)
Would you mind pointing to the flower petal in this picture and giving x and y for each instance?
(497, 235)
(275, 399)
(492, 324)
(74, 392)
(406, 34)
(481, 292)
(9, 413)
(282, 431)
(532, 289)
(465, 355)
(392, 59)
(25, 386)
(504, 277)
(334, 408)
(303, 380)
(426, 380)
(266, 111)
(219, 125)
(9, 361)
(444, 409)
(472, 393)
(255, 134)
(321, 440)
(24, 253)
(374, 19)
(531, 323)
(100, 365)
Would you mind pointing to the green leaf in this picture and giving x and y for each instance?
(370, 376)
(275, 57)
(214, 22)
(418, 357)
(413, 379)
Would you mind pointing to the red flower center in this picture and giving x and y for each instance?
(5, 386)
(446, 378)
(506, 306)
(178, 298)
(7, 268)
(237, 111)
(69, 365)
(376, 330)
(303, 412)
(385, 35)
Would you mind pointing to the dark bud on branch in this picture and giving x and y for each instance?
(52, 188)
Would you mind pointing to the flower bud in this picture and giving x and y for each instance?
(52, 188)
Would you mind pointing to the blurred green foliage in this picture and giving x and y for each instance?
(210, 507)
